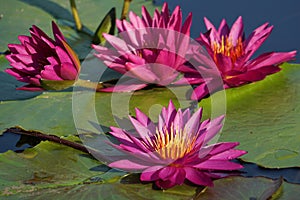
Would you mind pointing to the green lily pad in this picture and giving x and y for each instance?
(53, 112)
(264, 117)
(52, 170)
(47, 165)
(236, 188)
(16, 19)
(290, 191)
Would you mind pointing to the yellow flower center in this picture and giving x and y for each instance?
(173, 144)
(227, 48)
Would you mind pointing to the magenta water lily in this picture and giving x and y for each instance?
(176, 149)
(232, 52)
(150, 50)
(39, 57)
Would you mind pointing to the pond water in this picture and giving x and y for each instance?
(284, 15)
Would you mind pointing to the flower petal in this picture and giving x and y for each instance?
(197, 177)
(127, 165)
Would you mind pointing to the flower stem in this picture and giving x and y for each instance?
(52, 138)
(125, 9)
(75, 15)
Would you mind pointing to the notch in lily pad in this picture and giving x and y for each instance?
(107, 25)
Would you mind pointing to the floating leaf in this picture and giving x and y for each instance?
(264, 117)
(47, 165)
(107, 25)
(236, 188)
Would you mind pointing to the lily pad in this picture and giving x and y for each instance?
(264, 117)
(30, 170)
(52, 170)
(17, 17)
(236, 188)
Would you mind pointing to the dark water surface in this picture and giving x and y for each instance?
(284, 15)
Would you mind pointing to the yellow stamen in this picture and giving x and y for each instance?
(227, 48)
(173, 144)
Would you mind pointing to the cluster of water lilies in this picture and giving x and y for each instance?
(159, 51)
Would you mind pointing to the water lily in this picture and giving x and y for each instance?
(39, 57)
(232, 52)
(176, 149)
(150, 50)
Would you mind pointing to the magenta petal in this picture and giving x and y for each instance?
(167, 172)
(193, 124)
(230, 154)
(141, 129)
(223, 28)
(62, 54)
(197, 177)
(200, 92)
(50, 73)
(267, 59)
(187, 25)
(127, 165)
(57, 33)
(141, 72)
(258, 37)
(151, 173)
(214, 36)
(165, 184)
(146, 17)
(17, 49)
(218, 165)
(236, 30)
(68, 71)
(30, 87)
(145, 120)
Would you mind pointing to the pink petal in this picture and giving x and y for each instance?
(127, 165)
(143, 131)
(223, 28)
(17, 49)
(30, 88)
(68, 71)
(145, 120)
(228, 155)
(200, 92)
(141, 72)
(185, 29)
(236, 30)
(146, 17)
(214, 36)
(271, 59)
(57, 33)
(197, 177)
(192, 126)
(51, 73)
(116, 42)
(257, 37)
(218, 165)
(151, 173)
(64, 57)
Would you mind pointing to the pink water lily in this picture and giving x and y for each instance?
(39, 57)
(232, 53)
(176, 149)
(150, 50)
